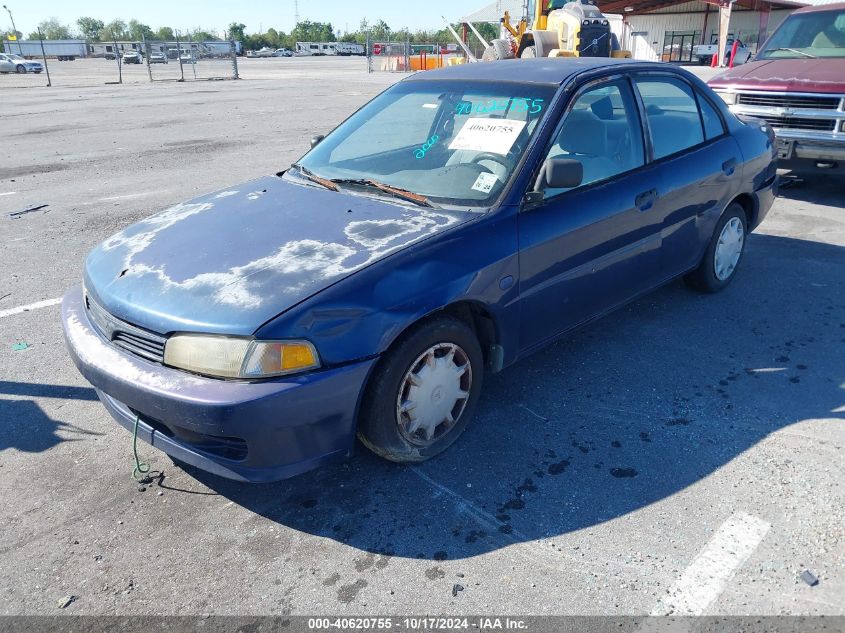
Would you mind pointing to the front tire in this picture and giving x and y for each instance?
(724, 253)
(21, 69)
(530, 52)
(423, 393)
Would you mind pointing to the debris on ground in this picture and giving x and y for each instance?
(456, 589)
(66, 602)
(17, 347)
(30, 209)
(809, 577)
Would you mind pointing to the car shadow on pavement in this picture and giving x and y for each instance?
(619, 415)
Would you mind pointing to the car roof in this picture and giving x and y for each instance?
(835, 6)
(550, 71)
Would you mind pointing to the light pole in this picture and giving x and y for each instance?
(15, 29)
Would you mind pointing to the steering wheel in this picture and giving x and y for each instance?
(496, 158)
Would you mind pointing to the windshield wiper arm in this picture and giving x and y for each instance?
(403, 194)
(310, 175)
(792, 50)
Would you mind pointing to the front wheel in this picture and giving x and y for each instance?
(423, 393)
(21, 69)
(530, 52)
(724, 253)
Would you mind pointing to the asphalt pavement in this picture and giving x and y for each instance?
(682, 455)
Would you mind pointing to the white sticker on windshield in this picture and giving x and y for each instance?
(485, 181)
(488, 135)
(431, 106)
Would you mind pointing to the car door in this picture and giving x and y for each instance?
(698, 165)
(588, 249)
(5, 65)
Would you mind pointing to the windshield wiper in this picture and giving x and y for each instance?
(310, 175)
(792, 50)
(398, 192)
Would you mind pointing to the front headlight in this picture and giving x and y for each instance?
(727, 97)
(232, 357)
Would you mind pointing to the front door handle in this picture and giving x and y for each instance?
(729, 166)
(646, 199)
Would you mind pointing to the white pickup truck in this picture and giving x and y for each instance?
(704, 52)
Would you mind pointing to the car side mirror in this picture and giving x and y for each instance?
(562, 173)
(317, 140)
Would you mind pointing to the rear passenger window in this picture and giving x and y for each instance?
(672, 114)
(713, 125)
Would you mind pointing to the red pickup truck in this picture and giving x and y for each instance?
(796, 83)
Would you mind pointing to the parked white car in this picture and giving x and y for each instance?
(17, 64)
(704, 52)
(187, 57)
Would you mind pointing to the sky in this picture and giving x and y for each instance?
(258, 15)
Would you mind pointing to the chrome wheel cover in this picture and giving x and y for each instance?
(728, 249)
(433, 394)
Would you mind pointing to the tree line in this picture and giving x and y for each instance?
(94, 30)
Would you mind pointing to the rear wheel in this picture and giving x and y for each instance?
(498, 49)
(724, 253)
(529, 52)
(423, 393)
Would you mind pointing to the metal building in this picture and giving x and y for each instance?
(667, 31)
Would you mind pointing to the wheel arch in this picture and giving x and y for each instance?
(749, 205)
(473, 313)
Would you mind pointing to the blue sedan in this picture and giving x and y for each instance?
(455, 224)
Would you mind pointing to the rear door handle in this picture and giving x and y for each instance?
(646, 199)
(729, 166)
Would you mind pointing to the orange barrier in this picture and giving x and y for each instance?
(733, 53)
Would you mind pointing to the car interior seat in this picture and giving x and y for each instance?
(583, 137)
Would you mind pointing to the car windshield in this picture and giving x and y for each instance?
(808, 35)
(453, 143)
(16, 58)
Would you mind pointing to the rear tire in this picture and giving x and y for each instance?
(419, 400)
(498, 49)
(529, 52)
(724, 253)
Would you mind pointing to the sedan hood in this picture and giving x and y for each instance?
(786, 75)
(230, 261)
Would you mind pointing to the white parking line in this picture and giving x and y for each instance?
(127, 196)
(8, 193)
(32, 306)
(705, 579)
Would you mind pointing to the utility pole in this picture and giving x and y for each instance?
(15, 29)
(296, 12)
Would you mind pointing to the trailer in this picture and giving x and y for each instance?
(314, 49)
(349, 48)
(63, 50)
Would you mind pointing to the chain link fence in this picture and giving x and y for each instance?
(33, 63)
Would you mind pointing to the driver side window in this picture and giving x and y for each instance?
(601, 130)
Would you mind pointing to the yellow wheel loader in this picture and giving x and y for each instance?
(557, 28)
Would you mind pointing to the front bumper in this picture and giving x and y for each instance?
(247, 431)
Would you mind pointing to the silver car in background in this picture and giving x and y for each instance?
(18, 64)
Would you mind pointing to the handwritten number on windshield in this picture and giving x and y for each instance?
(532, 106)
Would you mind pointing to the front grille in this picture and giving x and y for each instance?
(135, 340)
(798, 123)
(144, 347)
(789, 101)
